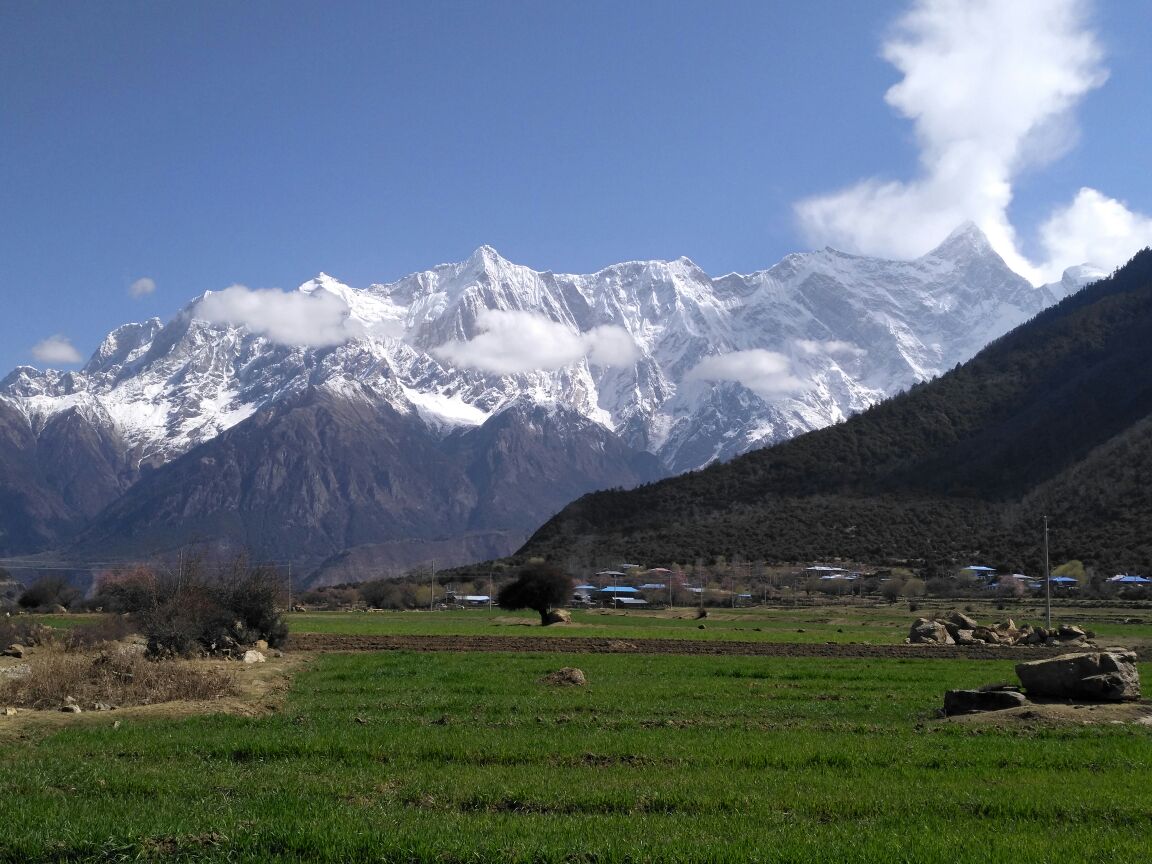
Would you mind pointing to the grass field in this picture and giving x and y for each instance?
(873, 623)
(468, 757)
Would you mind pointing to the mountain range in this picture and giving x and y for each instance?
(449, 416)
(1051, 421)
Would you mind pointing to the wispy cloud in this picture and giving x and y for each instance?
(142, 287)
(766, 373)
(511, 342)
(828, 347)
(990, 86)
(56, 349)
(314, 320)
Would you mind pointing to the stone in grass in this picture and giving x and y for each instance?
(17, 651)
(925, 631)
(9, 712)
(569, 676)
(963, 621)
(974, 701)
(253, 657)
(1105, 675)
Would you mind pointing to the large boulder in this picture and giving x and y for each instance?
(972, 701)
(929, 632)
(963, 621)
(1105, 675)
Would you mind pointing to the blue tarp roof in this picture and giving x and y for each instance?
(630, 601)
(1131, 580)
(1064, 580)
(621, 589)
(586, 588)
(978, 568)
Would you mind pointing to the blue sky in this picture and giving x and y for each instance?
(204, 144)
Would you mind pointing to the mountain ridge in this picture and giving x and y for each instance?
(722, 365)
(1051, 418)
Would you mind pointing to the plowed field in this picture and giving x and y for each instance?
(578, 645)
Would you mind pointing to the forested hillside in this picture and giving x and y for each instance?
(1051, 419)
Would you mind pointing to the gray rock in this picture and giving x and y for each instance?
(963, 621)
(1107, 676)
(568, 676)
(926, 631)
(253, 657)
(973, 701)
(70, 708)
(17, 651)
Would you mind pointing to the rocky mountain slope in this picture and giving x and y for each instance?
(712, 368)
(1051, 419)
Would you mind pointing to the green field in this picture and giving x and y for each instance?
(468, 757)
(872, 623)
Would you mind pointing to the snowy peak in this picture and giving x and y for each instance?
(723, 364)
(965, 242)
(123, 345)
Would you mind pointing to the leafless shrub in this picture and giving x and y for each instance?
(115, 677)
(21, 631)
(105, 629)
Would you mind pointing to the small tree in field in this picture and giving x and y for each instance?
(540, 587)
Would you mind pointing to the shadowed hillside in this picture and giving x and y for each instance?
(1049, 419)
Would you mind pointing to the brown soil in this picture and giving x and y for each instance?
(1036, 714)
(582, 645)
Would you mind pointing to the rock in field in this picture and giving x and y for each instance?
(568, 676)
(559, 616)
(972, 701)
(253, 657)
(16, 651)
(925, 630)
(1107, 675)
(963, 621)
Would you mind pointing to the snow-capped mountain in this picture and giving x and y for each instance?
(717, 366)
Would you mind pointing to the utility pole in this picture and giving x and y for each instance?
(432, 586)
(289, 586)
(1047, 581)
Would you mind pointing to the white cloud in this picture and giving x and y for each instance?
(829, 347)
(142, 286)
(56, 349)
(766, 373)
(1095, 228)
(312, 320)
(990, 86)
(511, 342)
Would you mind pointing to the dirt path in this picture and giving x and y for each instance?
(582, 645)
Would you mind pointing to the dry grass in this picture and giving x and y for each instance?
(115, 677)
(24, 631)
